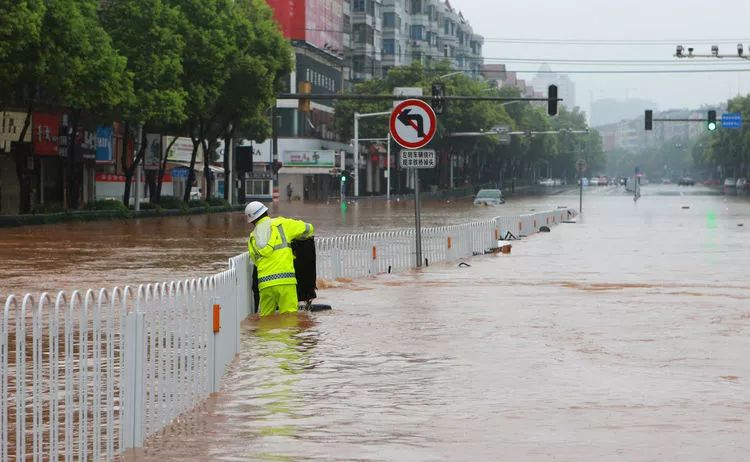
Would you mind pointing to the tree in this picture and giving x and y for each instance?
(260, 55)
(67, 61)
(21, 23)
(146, 33)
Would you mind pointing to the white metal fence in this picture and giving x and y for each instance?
(88, 375)
(391, 251)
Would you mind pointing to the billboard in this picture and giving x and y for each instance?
(324, 78)
(181, 150)
(290, 14)
(45, 129)
(318, 22)
(309, 159)
(85, 144)
(11, 125)
(152, 155)
(104, 151)
(324, 24)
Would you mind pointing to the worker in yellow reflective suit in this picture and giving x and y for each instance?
(270, 250)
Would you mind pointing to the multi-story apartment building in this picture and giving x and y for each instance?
(391, 33)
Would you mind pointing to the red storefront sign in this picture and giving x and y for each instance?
(45, 132)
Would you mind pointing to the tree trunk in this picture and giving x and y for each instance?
(206, 168)
(130, 171)
(162, 171)
(24, 205)
(191, 174)
(228, 151)
(75, 172)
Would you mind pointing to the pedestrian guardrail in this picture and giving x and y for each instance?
(367, 254)
(88, 375)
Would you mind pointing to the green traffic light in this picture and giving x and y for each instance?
(712, 126)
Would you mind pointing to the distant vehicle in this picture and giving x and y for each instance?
(712, 182)
(685, 181)
(594, 182)
(585, 181)
(666, 181)
(195, 193)
(603, 181)
(489, 197)
(742, 185)
(730, 186)
(547, 182)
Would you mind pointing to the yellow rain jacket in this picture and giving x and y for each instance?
(269, 247)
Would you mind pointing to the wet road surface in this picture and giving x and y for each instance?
(130, 252)
(622, 337)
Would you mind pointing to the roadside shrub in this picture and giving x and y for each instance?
(172, 202)
(107, 204)
(48, 208)
(150, 206)
(195, 203)
(218, 202)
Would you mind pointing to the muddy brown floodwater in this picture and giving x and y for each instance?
(622, 337)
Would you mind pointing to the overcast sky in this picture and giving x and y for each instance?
(687, 22)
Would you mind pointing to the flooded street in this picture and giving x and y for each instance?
(623, 337)
(130, 252)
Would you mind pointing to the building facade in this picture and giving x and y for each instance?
(391, 33)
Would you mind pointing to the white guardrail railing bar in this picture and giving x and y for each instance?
(133, 359)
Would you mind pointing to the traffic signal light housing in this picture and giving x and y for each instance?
(552, 100)
(304, 104)
(649, 119)
(438, 103)
(344, 176)
(711, 125)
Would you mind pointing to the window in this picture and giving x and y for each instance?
(257, 187)
(416, 32)
(389, 19)
(357, 32)
(358, 6)
(389, 47)
(358, 63)
(416, 6)
(447, 27)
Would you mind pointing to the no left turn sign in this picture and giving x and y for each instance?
(413, 124)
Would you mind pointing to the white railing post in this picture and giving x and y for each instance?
(132, 382)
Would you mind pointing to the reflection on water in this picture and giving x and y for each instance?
(622, 337)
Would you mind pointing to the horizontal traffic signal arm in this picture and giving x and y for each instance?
(401, 98)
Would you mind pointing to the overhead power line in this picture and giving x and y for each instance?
(582, 41)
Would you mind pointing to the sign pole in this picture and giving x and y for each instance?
(580, 193)
(418, 217)
(388, 182)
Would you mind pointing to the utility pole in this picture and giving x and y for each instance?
(275, 158)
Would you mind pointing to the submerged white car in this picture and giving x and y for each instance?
(489, 197)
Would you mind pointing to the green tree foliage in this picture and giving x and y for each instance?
(730, 148)
(146, 33)
(233, 62)
(20, 38)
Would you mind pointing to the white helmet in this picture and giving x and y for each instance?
(254, 210)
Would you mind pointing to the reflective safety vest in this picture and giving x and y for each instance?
(269, 247)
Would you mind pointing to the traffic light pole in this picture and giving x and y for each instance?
(275, 158)
(358, 116)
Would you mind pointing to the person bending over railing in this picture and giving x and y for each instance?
(270, 250)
